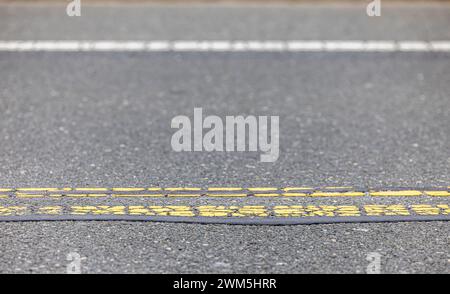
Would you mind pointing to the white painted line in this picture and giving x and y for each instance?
(414, 46)
(440, 45)
(381, 46)
(226, 46)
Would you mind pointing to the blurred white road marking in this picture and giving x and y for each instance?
(226, 46)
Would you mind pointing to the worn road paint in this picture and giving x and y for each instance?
(234, 211)
(333, 192)
(226, 46)
(396, 193)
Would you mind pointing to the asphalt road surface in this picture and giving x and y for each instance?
(90, 119)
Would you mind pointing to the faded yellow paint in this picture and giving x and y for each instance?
(347, 210)
(438, 193)
(36, 189)
(91, 189)
(53, 210)
(215, 211)
(86, 195)
(137, 195)
(291, 211)
(396, 193)
(256, 189)
(424, 209)
(224, 189)
(128, 189)
(377, 210)
(21, 195)
(182, 189)
(140, 210)
(260, 192)
(13, 210)
(311, 210)
(248, 211)
(161, 210)
(295, 194)
(96, 210)
(172, 210)
(235, 211)
(445, 208)
(297, 189)
(337, 194)
(226, 195)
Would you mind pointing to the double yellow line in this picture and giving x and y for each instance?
(219, 192)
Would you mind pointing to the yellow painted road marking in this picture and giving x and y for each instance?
(20, 195)
(445, 208)
(297, 189)
(262, 189)
(13, 210)
(61, 190)
(378, 210)
(36, 189)
(438, 193)
(227, 192)
(76, 195)
(234, 211)
(90, 189)
(137, 195)
(50, 210)
(424, 209)
(226, 195)
(295, 194)
(4, 196)
(182, 189)
(312, 210)
(128, 189)
(97, 195)
(103, 209)
(338, 187)
(396, 193)
(86, 195)
(58, 191)
(224, 189)
(161, 210)
(337, 194)
(184, 195)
